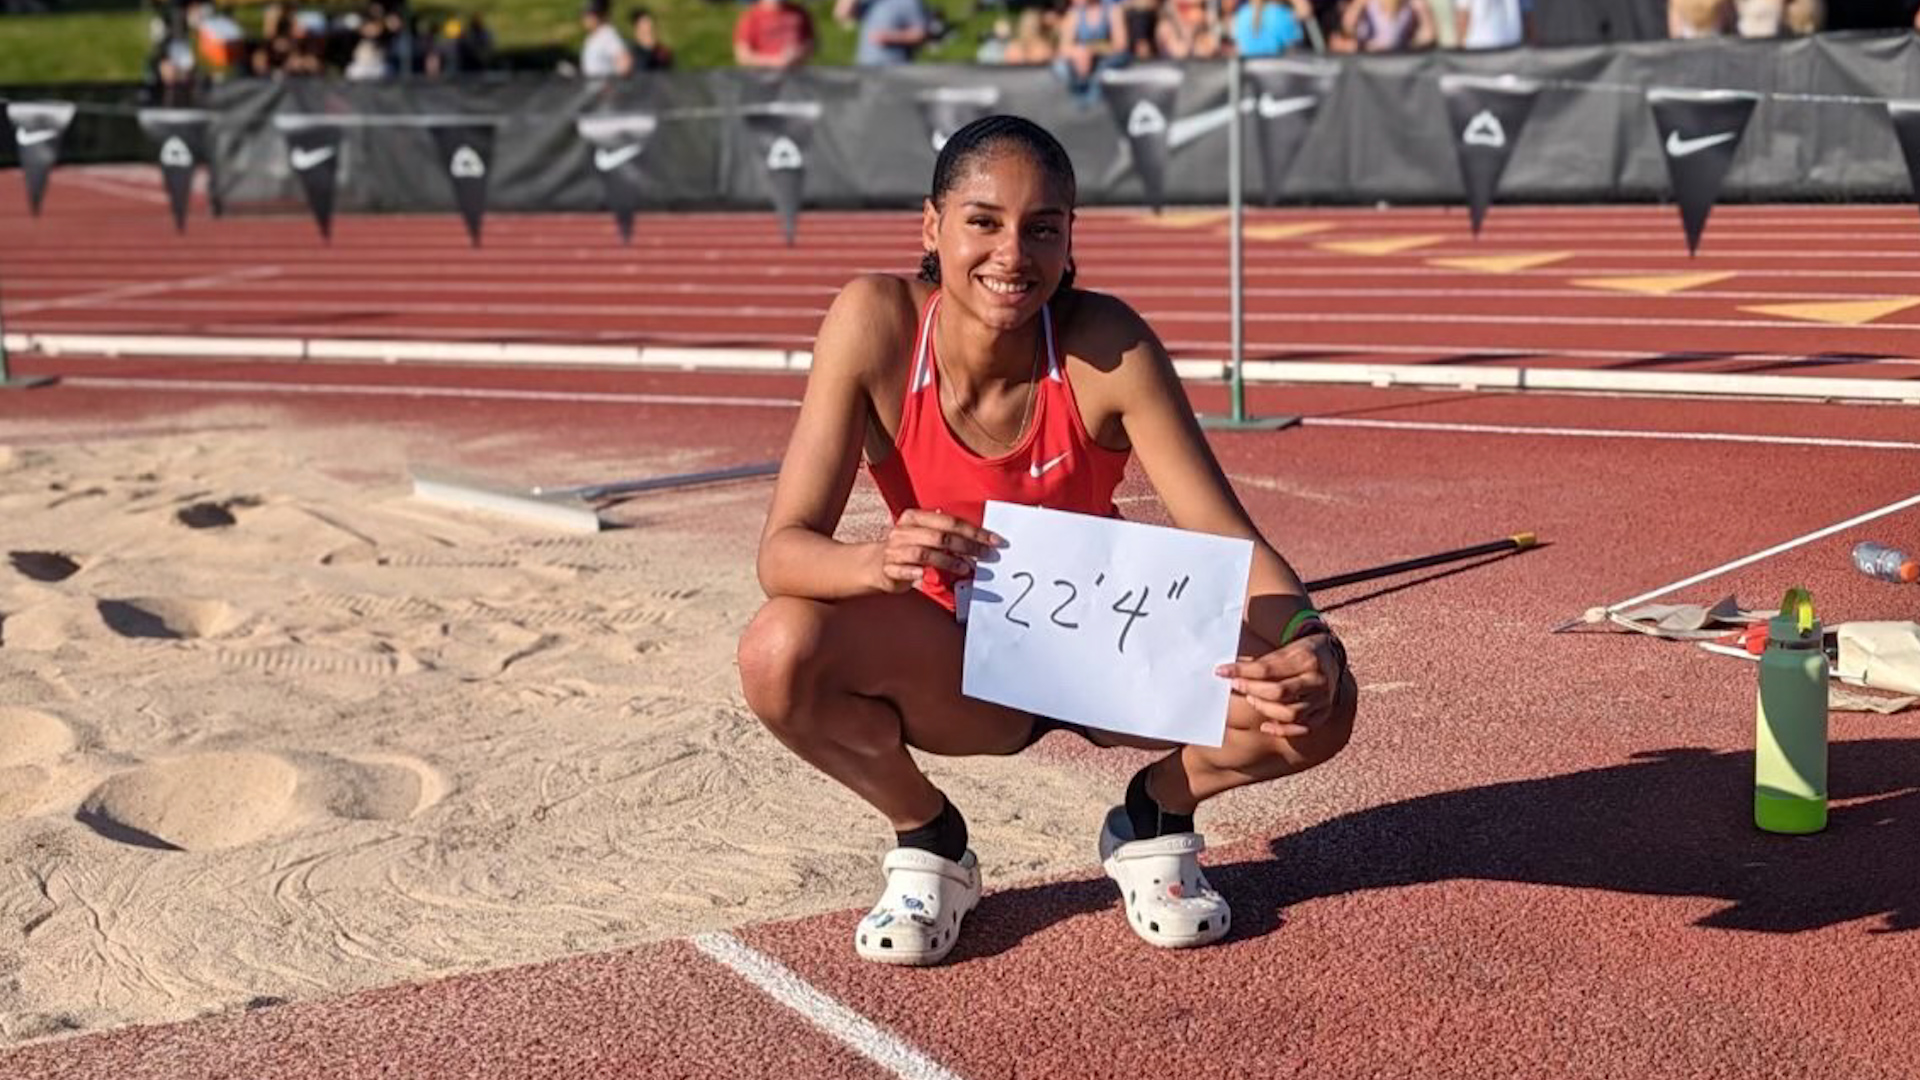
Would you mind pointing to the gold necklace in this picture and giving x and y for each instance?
(1026, 415)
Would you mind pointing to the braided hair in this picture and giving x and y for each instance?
(987, 135)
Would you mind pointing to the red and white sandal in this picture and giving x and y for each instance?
(917, 919)
(1168, 900)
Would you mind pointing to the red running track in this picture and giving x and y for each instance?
(1535, 859)
(105, 259)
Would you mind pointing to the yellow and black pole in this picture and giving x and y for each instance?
(1516, 542)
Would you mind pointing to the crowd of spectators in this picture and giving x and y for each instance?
(193, 40)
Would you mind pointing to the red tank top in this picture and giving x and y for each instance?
(1056, 463)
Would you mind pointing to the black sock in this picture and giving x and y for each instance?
(1149, 819)
(945, 836)
(1043, 725)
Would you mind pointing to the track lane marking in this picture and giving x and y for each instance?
(1608, 433)
(748, 401)
(779, 982)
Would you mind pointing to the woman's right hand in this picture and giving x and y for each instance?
(928, 539)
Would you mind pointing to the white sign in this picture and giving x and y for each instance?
(1112, 624)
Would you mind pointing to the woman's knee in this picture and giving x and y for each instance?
(778, 656)
(1267, 758)
(1338, 729)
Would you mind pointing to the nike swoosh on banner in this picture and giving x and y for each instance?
(307, 159)
(1207, 121)
(607, 160)
(30, 138)
(1188, 128)
(1037, 470)
(1272, 107)
(1679, 147)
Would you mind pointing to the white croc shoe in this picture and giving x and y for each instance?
(1168, 900)
(917, 919)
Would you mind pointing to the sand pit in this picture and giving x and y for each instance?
(28, 736)
(272, 730)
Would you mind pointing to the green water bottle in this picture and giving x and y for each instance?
(1790, 735)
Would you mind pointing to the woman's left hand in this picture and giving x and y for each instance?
(1291, 689)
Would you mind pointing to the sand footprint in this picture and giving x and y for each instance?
(214, 514)
(30, 743)
(199, 803)
(369, 787)
(225, 799)
(43, 565)
(169, 617)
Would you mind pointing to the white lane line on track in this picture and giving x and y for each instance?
(215, 386)
(1187, 257)
(831, 278)
(144, 290)
(299, 283)
(1183, 348)
(208, 386)
(1607, 433)
(762, 311)
(778, 982)
(118, 186)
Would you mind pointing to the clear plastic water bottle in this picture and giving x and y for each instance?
(1886, 563)
(1790, 730)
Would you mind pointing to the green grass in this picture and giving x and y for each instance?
(85, 46)
(108, 46)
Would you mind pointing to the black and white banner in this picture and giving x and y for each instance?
(618, 141)
(950, 108)
(37, 127)
(1699, 132)
(1142, 102)
(1906, 127)
(183, 137)
(1287, 96)
(313, 152)
(782, 132)
(1487, 115)
(466, 153)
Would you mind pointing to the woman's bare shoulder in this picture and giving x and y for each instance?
(1101, 330)
(874, 318)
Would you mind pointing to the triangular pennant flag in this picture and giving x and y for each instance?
(37, 127)
(949, 108)
(182, 138)
(1487, 116)
(618, 141)
(1699, 132)
(783, 130)
(1906, 127)
(467, 152)
(313, 151)
(1287, 96)
(1141, 100)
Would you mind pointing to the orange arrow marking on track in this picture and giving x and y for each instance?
(1385, 245)
(1503, 264)
(1183, 219)
(1287, 231)
(1653, 286)
(1844, 312)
